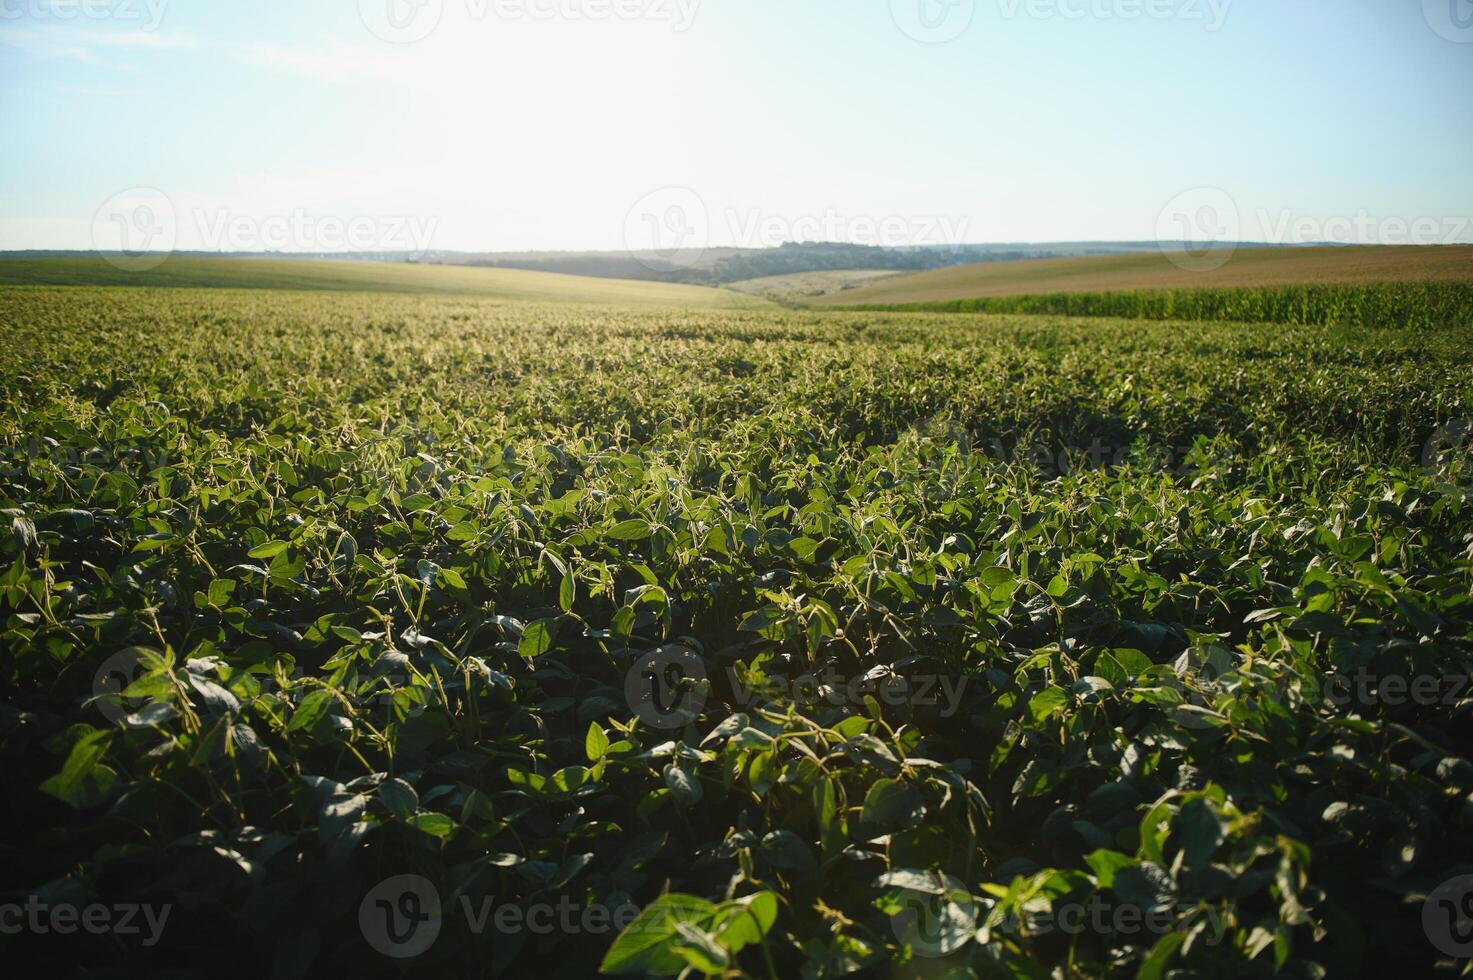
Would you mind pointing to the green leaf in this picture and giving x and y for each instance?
(434, 824)
(746, 920)
(268, 550)
(631, 530)
(538, 638)
(785, 849)
(803, 548)
(451, 579)
(345, 552)
(570, 779)
(1283, 946)
(825, 804)
(314, 707)
(768, 621)
(399, 798)
(1048, 702)
(1200, 831)
(339, 812)
(1154, 967)
(596, 742)
(912, 879)
(891, 803)
(84, 781)
(729, 727)
(464, 531)
(1146, 886)
(1107, 864)
(1155, 826)
(646, 946)
(699, 949)
(684, 786)
(221, 590)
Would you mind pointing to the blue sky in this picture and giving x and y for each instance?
(540, 124)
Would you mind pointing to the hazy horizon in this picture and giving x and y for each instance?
(1143, 245)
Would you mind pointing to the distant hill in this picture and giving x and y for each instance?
(721, 266)
(795, 287)
(703, 267)
(362, 276)
(1155, 270)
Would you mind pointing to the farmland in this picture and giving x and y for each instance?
(180, 272)
(982, 621)
(1157, 271)
(797, 287)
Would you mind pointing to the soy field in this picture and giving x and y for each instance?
(393, 634)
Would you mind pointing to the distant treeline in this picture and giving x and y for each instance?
(715, 267)
(601, 266)
(1388, 305)
(792, 259)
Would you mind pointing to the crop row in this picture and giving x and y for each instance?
(1391, 305)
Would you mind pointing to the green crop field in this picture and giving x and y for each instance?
(1248, 268)
(744, 643)
(360, 276)
(1415, 305)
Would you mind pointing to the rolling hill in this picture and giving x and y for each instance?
(1346, 265)
(798, 286)
(357, 276)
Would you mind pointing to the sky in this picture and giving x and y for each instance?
(333, 125)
